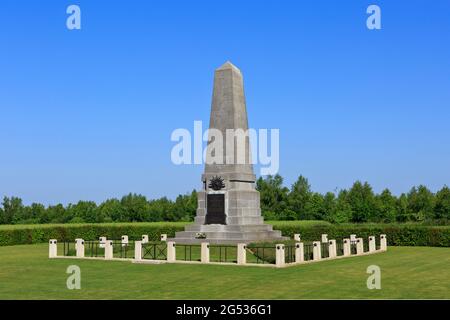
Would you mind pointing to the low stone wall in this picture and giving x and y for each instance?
(279, 256)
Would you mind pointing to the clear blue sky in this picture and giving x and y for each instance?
(88, 114)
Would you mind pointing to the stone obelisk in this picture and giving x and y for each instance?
(228, 205)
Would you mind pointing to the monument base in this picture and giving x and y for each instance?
(242, 222)
(228, 234)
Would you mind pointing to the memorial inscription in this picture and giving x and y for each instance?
(216, 209)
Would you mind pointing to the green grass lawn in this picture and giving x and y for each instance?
(407, 272)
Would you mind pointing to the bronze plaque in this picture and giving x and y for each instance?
(215, 209)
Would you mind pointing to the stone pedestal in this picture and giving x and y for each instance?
(124, 241)
(324, 238)
(317, 250)
(144, 239)
(101, 242)
(297, 237)
(52, 248)
(241, 253)
(347, 248)
(383, 242)
(108, 250)
(138, 250)
(359, 246)
(332, 248)
(280, 258)
(171, 251)
(372, 245)
(299, 252)
(79, 248)
(204, 252)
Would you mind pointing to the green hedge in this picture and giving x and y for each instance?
(12, 235)
(397, 234)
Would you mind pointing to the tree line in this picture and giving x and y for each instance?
(357, 204)
(130, 208)
(278, 202)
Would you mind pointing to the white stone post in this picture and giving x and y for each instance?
(124, 241)
(317, 252)
(108, 250)
(353, 237)
(324, 238)
(299, 252)
(241, 253)
(79, 247)
(383, 242)
(280, 255)
(138, 250)
(205, 252)
(144, 238)
(164, 237)
(102, 242)
(359, 246)
(171, 253)
(52, 248)
(372, 246)
(347, 249)
(297, 237)
(332, 248)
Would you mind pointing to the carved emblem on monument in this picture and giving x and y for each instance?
(216, 183)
